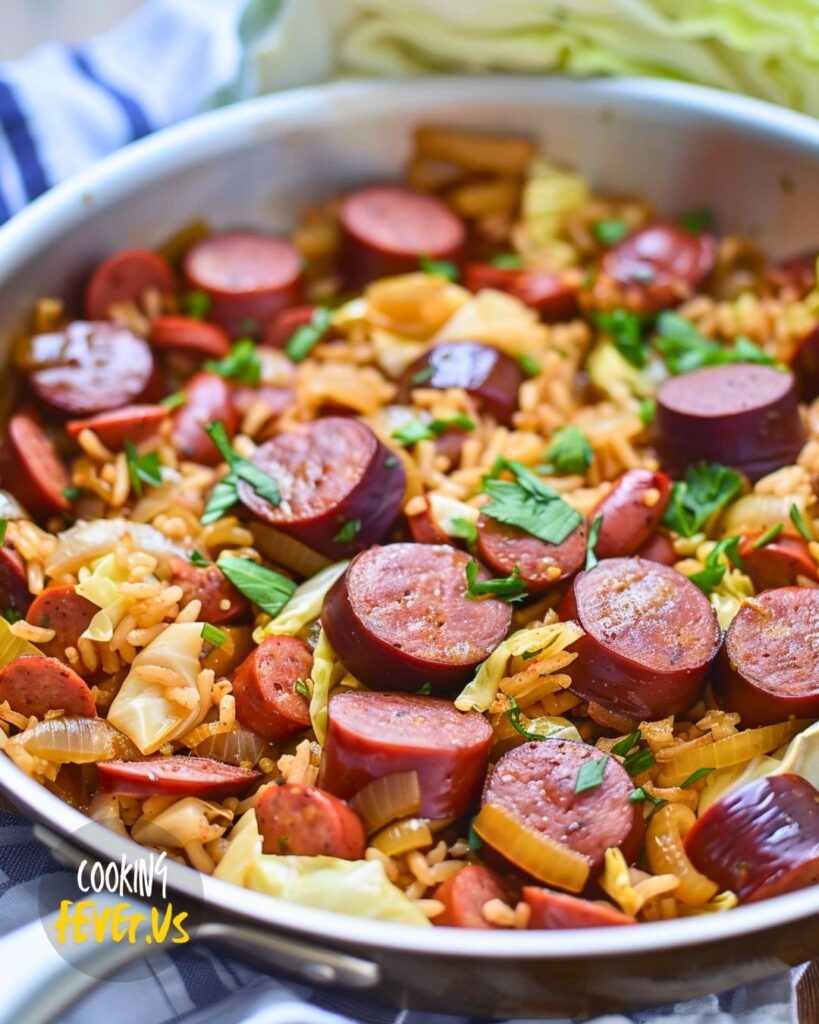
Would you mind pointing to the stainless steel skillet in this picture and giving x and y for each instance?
(681, 146)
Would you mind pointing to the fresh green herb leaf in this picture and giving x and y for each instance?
(265, 587)
(4, 525)
(199, 560)
(710, 577)
(142, 468)
(213, 636)
(71, 493)
(513, 713)
(768, 536)
(423, 375)
(507, 261)
(610, 230)
(625, 745)
(528, 504)
(425, 690)
(196, 304)
(570, 451)
(530, 366)
(648, 410)
(696, 221)
(626, 331)
(11, 615)
(439, 268)
(799, 522)
(415, 430)
(222, 498)
(510, 588)
(591, 774)
(474, 841)
(683, 348)
(391, 461)
(241, 469)
(707, 488)
(241, 364)
(348, 531)
(174, 401)
(639, 761)
(700, 773)
(594, 533)
(639, 795)
(302, 688)
(249, 325)
(305, 338)
(532, 654)
(464, 528)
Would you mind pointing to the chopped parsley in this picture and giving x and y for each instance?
(4, 525)
(142, 468)
(799, 522)
(213, 636)
(591, 774)
(513, 713)
(639, 761)
(594, 533)
(305, 338)
(439, 268)
(509, 588)
(196, 304)
(424, 690)
(626, 331)
(528, 504)
(530, 366)
(610, 230)
(507, 261)
(264, 587)
(768, 536)
(707, 488)
(683, 348)
(647, 411)
(226, 493)
(713, 573)
(70, 494)
(570, 452)
(175, 400)
(348, 531)
(391, 462)
(241, 364)
(623, 746)
(199, 560)
(11, 615)
(301, 688)
(423, 375)
(639, 795)
(474, 841)
(465, 529)
(696, 221)
(700, 773)
(415, 430)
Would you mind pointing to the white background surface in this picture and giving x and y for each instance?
(25, 23)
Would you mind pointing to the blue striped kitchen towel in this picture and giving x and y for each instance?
(62, 108)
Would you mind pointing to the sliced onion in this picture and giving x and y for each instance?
(666, 854)
(12, 646)
(756, 513)
(397, 795)
(403, 836)
(77, 741)
(532, 852)
(239, 746)
(85, 542)
(736, 749)
(10, 507)
(287, 551)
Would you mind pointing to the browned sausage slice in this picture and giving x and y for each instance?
(264, 686)
(177, 776)
(207, 398)
(541, 565)
(760, 840)
(221, 601)
(769, 665)
(465, 894)
(133, 423)
(491, 377)
(426, 529)
(552, 909)
(341, 488)
(658, 266)
(741, 415)
(387, 228)
(535, 784)
(30, 467)
(249, 278)
(552, 295)
(125, 277)
(779, 563)
(186, 334)
(631, 512)
(399, 618)
(285, 325)
(805, 365)
(650, 637)
(374, 734)
(62, 609)
(34, 685)
(659, 548)
(307, 822)
(14, 592)
(90, 367)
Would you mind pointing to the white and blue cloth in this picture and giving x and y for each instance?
(62, 108)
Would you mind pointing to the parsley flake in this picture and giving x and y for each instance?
(301, 688)
(696, 221)
(528, 504)
(196, 304)
(507, 261)
(623, 746)
(570, 452)
(142, 468)
(305, 338)
(174, 401)
(591, 774)
(647, 411)
(464, 528)
(798, 521)
(348, 531)
(264, 587)
(710, 577)
(530, 366)
(610, 230)
(513, 714)
(226, 493)
(707, 488)
(594, 533)
(700, 773)
(439, 268)
(423, 375)
(768, 536)
(424, 690)
(415, 430)
(626, 331)
(684, 349)
(4, 525)
(509, 588)
(199, 560)
(213, 636)
(241, 364)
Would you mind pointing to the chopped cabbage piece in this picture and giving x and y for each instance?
(304, 606)
(101, 587)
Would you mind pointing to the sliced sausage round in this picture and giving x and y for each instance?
(769, 666)
(14, 593)
(501, 548)
(741, 415)
(90, 367)
(221, 601)
(207, 398)
(188, 335)
(34, 685)
(650, 637)
(631, 512)
(65, 611)
(491, 377)
(305, 821)
(341, 488)
(30, 467)
(779, 563)
(659, 266)
(552, 295)
(285, 325)
(426, 529)
(175, 776)
(264, 686)
(760, 840)
(399, 618)
(796, 274)
(805, 366)
(125, 277)
(249, 278)
(550, 909)
(659, 548)
(386, 229)
(465, 894)
(133, 423)
(535, 784)
(374, 734)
